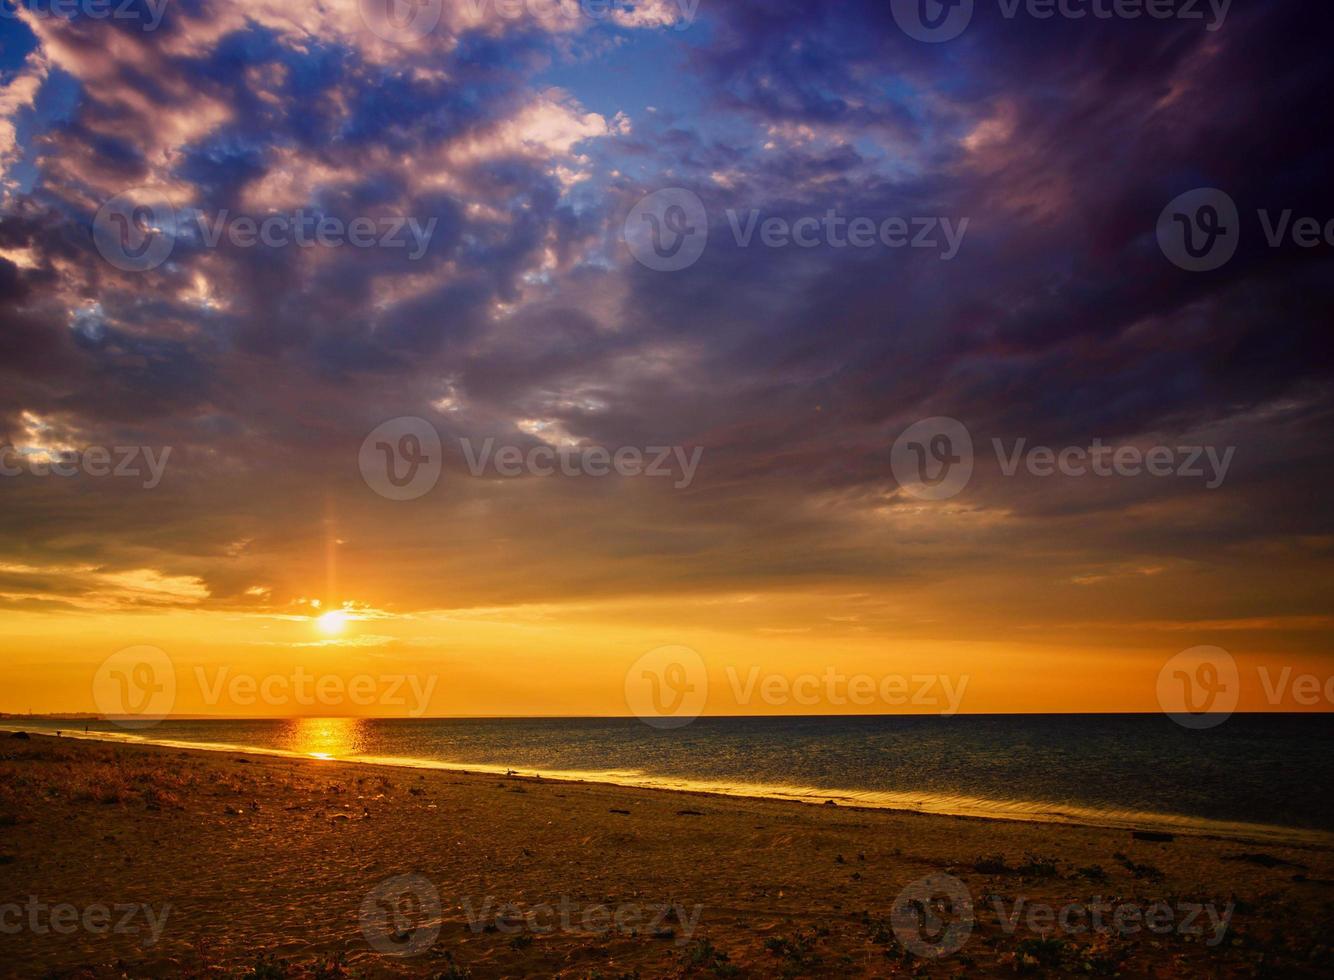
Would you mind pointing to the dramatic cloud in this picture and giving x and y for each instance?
(490, 165)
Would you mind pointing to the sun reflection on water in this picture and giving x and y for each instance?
(324, 738)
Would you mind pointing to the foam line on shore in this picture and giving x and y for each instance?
(938, 804)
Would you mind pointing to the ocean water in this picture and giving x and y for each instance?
(1259, 776)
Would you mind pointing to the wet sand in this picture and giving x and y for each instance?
(122, 859)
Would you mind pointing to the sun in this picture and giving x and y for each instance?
(333, 622)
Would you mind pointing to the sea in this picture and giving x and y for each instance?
(1253, 776)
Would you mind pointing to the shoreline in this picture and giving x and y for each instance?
(258, 864)
(1042, 813)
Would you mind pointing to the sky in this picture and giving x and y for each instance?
(222, 408)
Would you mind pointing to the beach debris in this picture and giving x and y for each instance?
(339, 817)
(689, 813)
(1093, 872)
(416, 791)
(705, 956)
(21, 736)
(830, 803)
(838, 859)
(861, 855)
(615, 810)
(1138, 870)
(1033, 866)
(1158, 837)
(231, 811)
(1263, 860)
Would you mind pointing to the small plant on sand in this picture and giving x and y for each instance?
(267, 967)
(1033, 866)
(1044, 952)
(798, 952)
(1138, 870)
(1093, 872)
(334, 969)
(452, 970)
(703, 955)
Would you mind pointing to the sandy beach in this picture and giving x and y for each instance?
(144, 860)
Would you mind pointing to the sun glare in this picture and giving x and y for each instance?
(333, 622)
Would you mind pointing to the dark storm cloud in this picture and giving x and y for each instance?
(1059, 320)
